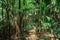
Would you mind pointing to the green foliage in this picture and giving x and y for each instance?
(24, 36)
(29, 4)
(29, 26)
(46, 25)
(43, 5)
(30, 9)
(57, 31)
(44, 38)
(38, 28)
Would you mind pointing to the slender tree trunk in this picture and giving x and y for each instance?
(8, 20)
(20, 18)
(2, 14)
(2, 9)
(16, 19)
(17, 28)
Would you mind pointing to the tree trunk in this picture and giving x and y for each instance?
(17, 28)
(2, 9)
(8, 20)
(17, 34)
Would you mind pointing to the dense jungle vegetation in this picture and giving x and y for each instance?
(29, 19)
